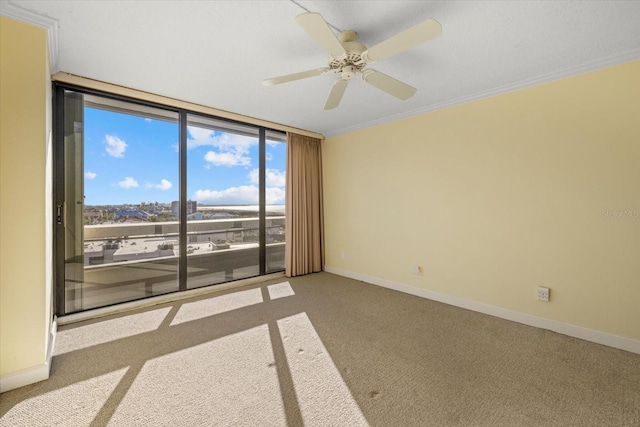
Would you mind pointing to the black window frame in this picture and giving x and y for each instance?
(58, 96)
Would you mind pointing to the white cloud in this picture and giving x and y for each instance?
(230, 149)
(115, 146)
(164, 185)
(274, 177)
(274, 196)
(254, 176)
(227, 158)
(148, 120)
(197, 137)
(272, 143)
(90, 175)
(243, 195)
(128, 182)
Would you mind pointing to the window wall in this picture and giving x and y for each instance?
(275, 178)
(151, 200)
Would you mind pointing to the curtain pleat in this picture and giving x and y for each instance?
(304, 235)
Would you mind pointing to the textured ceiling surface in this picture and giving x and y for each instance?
(216, 53)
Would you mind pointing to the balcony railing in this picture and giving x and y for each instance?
(125, 262)
(120, 242)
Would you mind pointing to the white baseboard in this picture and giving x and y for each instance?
(33, 374)
(598, 337)
(24, 377)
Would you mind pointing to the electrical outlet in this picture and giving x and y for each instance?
(344, 255)
(543, 293)
(418, 270)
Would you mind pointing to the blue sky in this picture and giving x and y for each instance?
(131, 159)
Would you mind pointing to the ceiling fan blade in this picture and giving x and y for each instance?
(336, 94)
(414, 36)
(388, 84)
(315, 25)
(295, 76)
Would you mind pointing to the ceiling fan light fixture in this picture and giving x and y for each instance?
(349, 72)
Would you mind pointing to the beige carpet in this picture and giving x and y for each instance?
(327, 351)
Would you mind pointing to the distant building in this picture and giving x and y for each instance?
(133, 213)
(192, 207)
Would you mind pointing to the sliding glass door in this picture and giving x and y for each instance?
(152, 200)
(275, 177)
(223, 233)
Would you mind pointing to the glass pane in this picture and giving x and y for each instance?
(276, 161)
(121, 177)
(222, 211)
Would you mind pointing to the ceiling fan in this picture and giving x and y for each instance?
(348, 57)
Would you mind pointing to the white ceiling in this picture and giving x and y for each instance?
(216, 53)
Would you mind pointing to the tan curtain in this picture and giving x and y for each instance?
(304, 252)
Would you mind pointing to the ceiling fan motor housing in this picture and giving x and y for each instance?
(351, 62)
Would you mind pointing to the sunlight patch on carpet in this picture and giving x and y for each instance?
(228, 381)
(280, 290)
(322, 394)
(81, 403)
(216, 305)
(103, 331)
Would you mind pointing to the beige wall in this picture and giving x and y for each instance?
(25, 274)
(539, 187)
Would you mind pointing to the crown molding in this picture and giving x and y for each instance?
(19, 13)
(616, 59)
